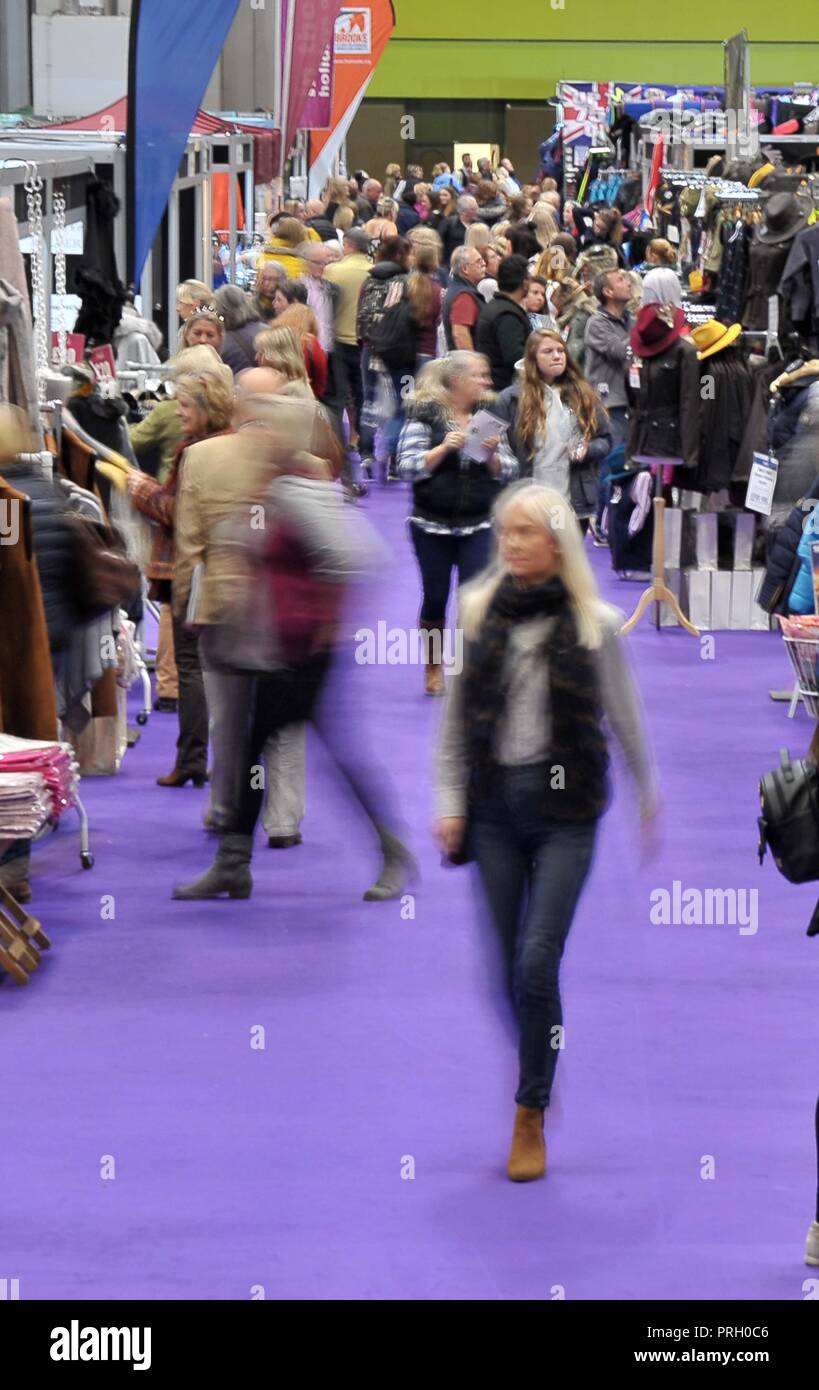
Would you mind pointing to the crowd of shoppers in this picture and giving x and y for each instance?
(446, 330)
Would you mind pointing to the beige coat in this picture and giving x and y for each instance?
(222, 481)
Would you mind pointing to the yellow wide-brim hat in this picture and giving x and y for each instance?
(760, 174)
(712, 336)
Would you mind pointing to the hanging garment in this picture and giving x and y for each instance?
(27, 704)
(136, 339)
(726, 401)
(96, 279)
(52, 540)
(731, 293)
(631, 549)
(12, 267)
(665, 407)
(18, 381)
(799, 285)
(103, 422)
(766, 262)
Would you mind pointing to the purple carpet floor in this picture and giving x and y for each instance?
(158, 1152)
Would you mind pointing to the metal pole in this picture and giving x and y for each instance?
(120, 231)
(233, 216)
(173, 244)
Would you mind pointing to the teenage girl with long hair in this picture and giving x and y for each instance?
(558, 428)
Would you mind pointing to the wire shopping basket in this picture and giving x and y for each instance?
(801, 638)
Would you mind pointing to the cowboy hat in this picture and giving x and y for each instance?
(784, 216)
(712, 336)
(759, 175)
(657, 327)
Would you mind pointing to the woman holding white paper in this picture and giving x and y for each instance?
(456, 474)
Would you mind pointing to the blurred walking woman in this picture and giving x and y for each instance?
(452, 496)
(523, 761)
(205, 406)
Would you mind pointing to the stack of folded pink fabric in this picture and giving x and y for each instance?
(52, 763)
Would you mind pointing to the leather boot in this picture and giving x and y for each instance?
(433, 669)
(398, 869)
(527, 1157)
(229, 873)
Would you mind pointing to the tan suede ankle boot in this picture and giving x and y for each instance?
(527, 1158)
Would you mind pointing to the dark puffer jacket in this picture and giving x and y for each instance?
(53, 545)
(783, 562)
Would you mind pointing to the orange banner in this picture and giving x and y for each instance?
(362, 33)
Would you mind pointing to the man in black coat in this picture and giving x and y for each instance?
(503, 324)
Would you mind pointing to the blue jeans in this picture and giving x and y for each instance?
(533, 871)
(619, 430)
(437, 556)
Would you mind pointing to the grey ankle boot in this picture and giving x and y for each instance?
(398, 870)
(229, 873)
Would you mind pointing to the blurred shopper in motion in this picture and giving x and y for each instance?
(205, 405)
(523, 765)
(223, 478)
(281, 631)
(452, 495)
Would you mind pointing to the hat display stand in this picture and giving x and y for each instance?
(658, 591)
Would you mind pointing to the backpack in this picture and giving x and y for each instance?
(789, 823)
(374, 294)
(393, 337)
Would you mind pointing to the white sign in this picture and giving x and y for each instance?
(761, 484)
(354, 31)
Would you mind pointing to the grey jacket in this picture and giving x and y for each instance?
(18, 382)
(607, 343)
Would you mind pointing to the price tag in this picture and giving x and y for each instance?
(761, 484)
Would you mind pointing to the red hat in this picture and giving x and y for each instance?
(657, 327)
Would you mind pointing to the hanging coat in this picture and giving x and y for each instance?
(28, 706)
(665, 413)
(96, 279)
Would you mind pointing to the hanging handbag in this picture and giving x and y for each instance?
(103, 577)
(789, 823)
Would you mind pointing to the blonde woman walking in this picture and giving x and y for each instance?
(523, 765)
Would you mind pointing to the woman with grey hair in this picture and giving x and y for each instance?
(241, 328)
(452, 492)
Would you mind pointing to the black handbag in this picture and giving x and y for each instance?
(789, 823)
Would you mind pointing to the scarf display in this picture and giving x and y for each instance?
(578, 744)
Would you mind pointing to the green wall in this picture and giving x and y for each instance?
(470, 49)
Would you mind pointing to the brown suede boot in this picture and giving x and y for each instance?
(527, 1157)
(433, 664)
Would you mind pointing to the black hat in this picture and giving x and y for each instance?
(784, 215)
